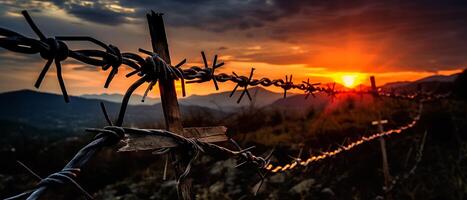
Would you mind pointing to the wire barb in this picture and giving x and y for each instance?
(288, 84)
(53, 51)
(243, 82)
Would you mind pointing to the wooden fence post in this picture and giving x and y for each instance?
(382, 142)
(169, 100)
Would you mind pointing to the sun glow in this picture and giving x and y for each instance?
(349, 80)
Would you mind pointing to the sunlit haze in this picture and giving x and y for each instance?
(349, 80)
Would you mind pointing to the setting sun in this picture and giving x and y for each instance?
(349, 80)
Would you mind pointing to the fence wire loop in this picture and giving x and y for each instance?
(115, 62)
(155, 68)
(113, 133)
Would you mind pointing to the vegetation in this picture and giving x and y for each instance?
(351, 175)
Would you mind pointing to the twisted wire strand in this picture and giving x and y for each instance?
(107, 136)
(327, 154)
(111, 135)
(204, 147)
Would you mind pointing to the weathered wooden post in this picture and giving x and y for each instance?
(171, 113)
(379, 122)
(168, 95)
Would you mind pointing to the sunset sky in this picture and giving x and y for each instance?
(320, 40)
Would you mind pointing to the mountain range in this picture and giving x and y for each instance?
(261, 97)
(117, 98)
(429, 79)
(220, 101)
(46, 110)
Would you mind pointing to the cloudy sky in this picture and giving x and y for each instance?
(320, 40)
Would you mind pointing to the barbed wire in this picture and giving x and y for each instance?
(110, 135)
(150, 70)
(342, 148)
(418, 158)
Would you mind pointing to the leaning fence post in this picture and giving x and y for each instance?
(169, 97)
(382, 142)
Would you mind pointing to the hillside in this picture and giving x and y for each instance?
(117, 98)
(430, 80)
(45, 110)
(222, 101)
(299, 103)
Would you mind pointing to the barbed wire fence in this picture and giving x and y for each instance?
(402, 177)
(153, 69)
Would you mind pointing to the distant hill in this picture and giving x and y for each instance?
(396, 84)
(430, 80)
(299, 103)
(117, 98)
(438, 78)
(45, 110)
(221, 100)
(261, 97)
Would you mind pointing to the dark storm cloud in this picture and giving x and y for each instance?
(428, 34)
(214, 15)
(207, 14)
(373, 16)
(425, 34)
(94, 11)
